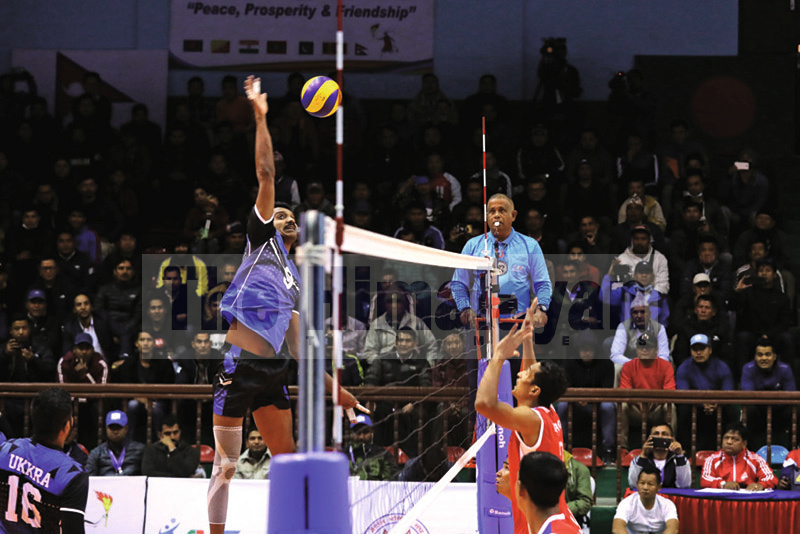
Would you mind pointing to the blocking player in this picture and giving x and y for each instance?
(534, 422)
(542, 480)
(41, 488)
(261, 306)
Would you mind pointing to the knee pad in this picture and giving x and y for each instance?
(228, 443)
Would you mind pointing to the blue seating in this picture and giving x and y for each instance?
(779, 454)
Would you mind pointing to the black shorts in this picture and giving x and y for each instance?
(248, 381)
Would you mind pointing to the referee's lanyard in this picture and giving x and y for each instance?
(499, 253)
(117, 462)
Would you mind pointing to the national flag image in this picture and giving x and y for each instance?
(220, 46)
(276, 47)
(361, 50)
(192, 45)
(329, 48)
(305, 48)
(248, 46)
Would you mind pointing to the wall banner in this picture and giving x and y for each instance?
(289, 35)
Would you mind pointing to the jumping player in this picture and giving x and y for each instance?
(41, 488)
(534, 422)
(542, 480)
(261, 306)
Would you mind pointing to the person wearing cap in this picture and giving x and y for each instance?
(765, 372)
(652, 208)
(762, 309)
(711, 262)
(682, 310)
(621, 233)
(315, 200)
(235, 239)
(641, 286)
(82, 365)
(765, 228)
(703, 371)
(646, 371)
(589, 369)
(118, 455)
(367, 460)
(253, 463)
(44, 326)
(640, 249)
(625, 343)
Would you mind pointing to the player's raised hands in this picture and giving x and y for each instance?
(252, 88)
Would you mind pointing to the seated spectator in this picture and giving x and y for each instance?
(445, 185)
(86, 239)
(711, 213)
(790, 472)
(126, 248)
(496, 180)
(646, 372)
(119, 455)
(645, 510)
(541, 193)
(625, 342)
(704, 320)
(764, 229)
(197, 365)
(762, 310)
(532, 224)
(622, 294)
(641, 249)
(72, 448)
(176, 298)
(684, 308)
(119, 302)
(191, 266)
(424, 232)
(652, 208)
(637, 160)
(450, 370)
(766, 373)
(83, 319)
(315, 200)
(744, 191)
(382, 331)
(578, 493)
(73, 265)
(400, 366)
(621, 233)
(253, 463)
(586, 270)
(595, 243)
(58, 290)
(757, 251)
(590, 150)
(587, 196)
(709, 261)
(704, 371)
(170, 457)
(44, 326)
(662, 452)
(591, 370)
(25, 358)
(156, 319)
(82, 365)
(735, 467)
(367, 460)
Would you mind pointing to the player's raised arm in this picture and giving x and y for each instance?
(528, 352)
(265, 159)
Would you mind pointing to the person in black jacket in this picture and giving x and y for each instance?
(83, 319)
(119, 455)
(170, 457)
(591, 370)
(402, 366)
(120, 303)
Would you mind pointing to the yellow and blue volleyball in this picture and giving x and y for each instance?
(321, 96)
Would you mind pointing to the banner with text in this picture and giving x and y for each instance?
(288, 35)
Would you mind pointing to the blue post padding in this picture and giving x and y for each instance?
(308, 494)
(494, 510)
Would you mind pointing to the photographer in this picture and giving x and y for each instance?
(665, 454)
(24, 359)
(640, 249)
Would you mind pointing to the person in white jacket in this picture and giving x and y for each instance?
(641, 249)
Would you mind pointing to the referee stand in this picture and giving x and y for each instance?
(308, 489)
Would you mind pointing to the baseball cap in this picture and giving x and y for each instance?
(647, 341)
(640, 228)
(643, 267)
(421, 179)
(36, 294)
(361, 419)
(701, 278)
(698, 339)
(83, 337)
(116, 417)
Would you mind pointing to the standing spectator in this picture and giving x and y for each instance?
(119, 302)
(762, 309)
(766, 373)
(402, 366)
(119, 455)
(170, 456)
(662, 452)
(645, 510)
(591, 370)
(646, 372)
(709, 261)
(253, 463)
(704, 371)
(735, 467)
(625, 343)
(84, 320)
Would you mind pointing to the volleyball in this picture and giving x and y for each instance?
(321, 96)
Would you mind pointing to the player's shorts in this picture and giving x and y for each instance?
(248, 381)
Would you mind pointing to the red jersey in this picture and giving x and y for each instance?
(559, 524)
(551, 439)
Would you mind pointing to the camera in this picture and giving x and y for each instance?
(742, 165)
(661, 443)
(621, 272)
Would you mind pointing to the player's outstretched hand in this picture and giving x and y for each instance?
(347, 399)
(252, 88)
(507, 347)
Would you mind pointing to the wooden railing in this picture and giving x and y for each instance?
(370, 395)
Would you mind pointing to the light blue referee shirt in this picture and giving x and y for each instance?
(526, 274)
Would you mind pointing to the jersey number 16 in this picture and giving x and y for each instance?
(30, 514)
